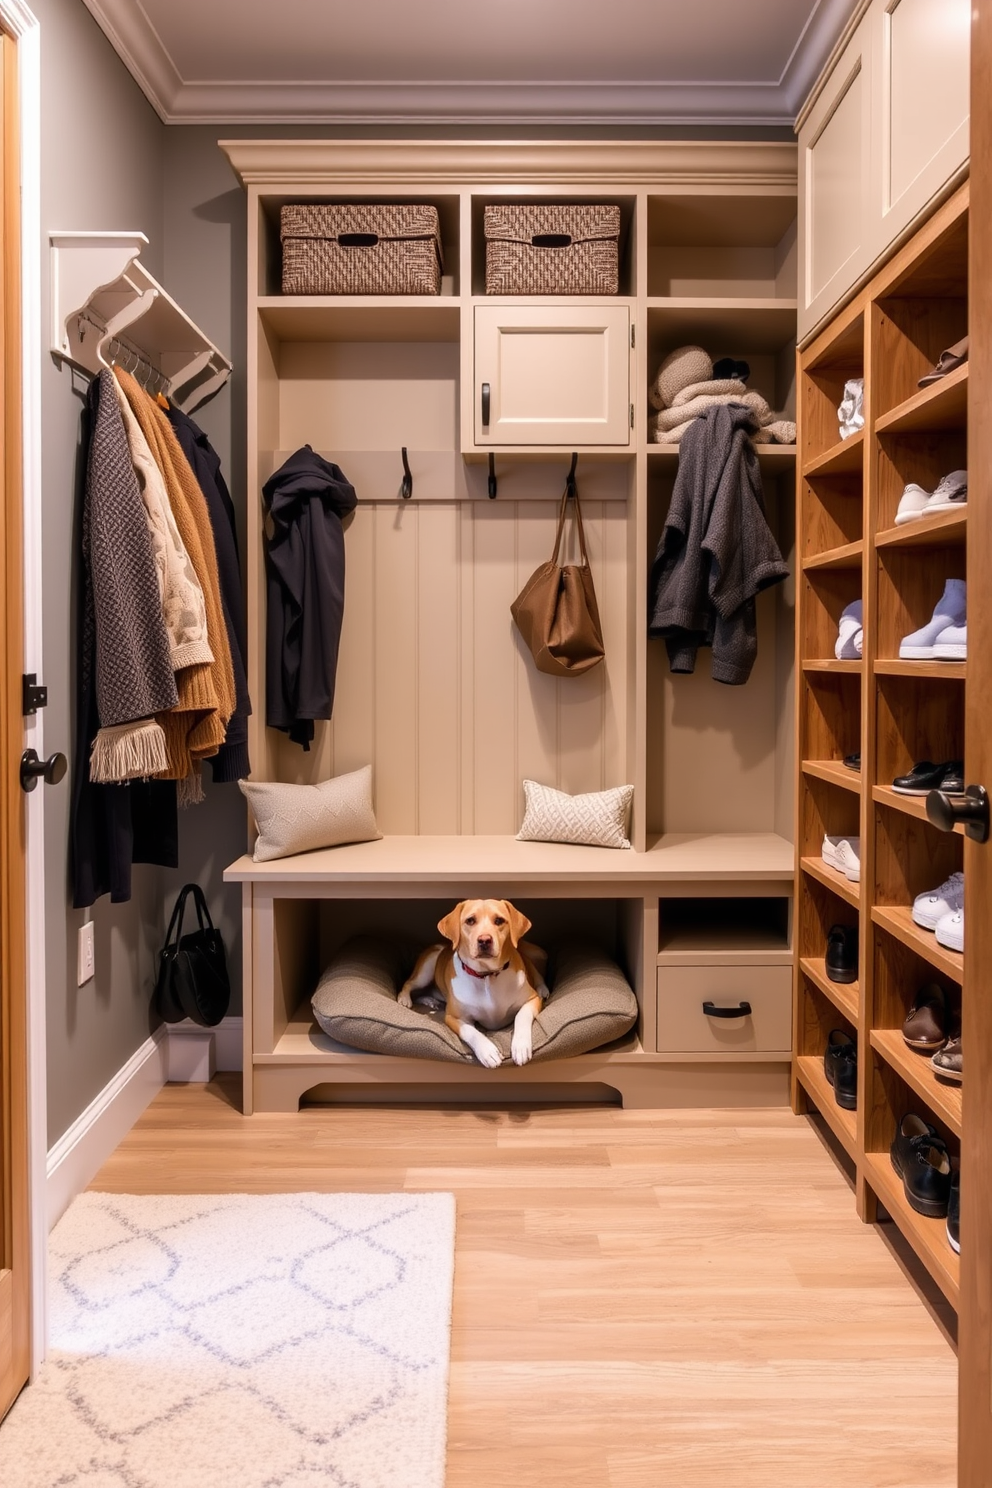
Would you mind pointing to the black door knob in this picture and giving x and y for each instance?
(33, 769)
(971, 810)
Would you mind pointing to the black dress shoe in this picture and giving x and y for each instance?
(926, 776)
(954, 1214)
(840, 1047)
(842, 953)
(846, 1078)
(922, 1161)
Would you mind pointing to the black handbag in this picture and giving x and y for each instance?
(192, 972)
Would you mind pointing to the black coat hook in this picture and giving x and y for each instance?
(570, 477)
(406, 488)
(493, 485)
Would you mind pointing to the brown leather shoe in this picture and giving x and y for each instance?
(947, 1063)
(926, 1022)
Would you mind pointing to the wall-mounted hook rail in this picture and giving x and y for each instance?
(406, 486)
(493, 483)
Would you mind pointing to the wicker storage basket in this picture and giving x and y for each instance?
(360, 250)
(552, 250)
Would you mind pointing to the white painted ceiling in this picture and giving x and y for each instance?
(620, 61)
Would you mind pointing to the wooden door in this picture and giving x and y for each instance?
(15, 1308)
(552, 374)
(975, 1336)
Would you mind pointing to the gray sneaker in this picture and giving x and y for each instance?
(951, 493)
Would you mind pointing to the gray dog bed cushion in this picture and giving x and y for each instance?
(355, 1003)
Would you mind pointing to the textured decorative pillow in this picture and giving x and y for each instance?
(597, 819)
(591, 1004)
(299, 818)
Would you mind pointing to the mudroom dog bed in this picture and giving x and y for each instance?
(355, 1003)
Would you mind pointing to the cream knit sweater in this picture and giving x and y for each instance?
(183, 607)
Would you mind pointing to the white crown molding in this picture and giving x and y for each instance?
(414, 103)
(303, 163)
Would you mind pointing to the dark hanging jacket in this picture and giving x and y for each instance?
(231, 760)
(112, 826)
(304, 555)
(717, 551)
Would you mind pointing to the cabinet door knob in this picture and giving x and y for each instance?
(33, 769)
(971, 810)
(743, 1010)
(485, 405)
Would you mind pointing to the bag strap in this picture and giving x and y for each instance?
(571, 489)
(175, 930)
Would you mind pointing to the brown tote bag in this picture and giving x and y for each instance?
(556, 610)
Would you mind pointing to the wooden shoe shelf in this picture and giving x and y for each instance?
(895, 712)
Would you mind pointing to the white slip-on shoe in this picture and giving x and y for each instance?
(951, 493)
(844, 854)
(949, 930)
(952, 644)
(859, 641)
(912, 504)
(950, 609)
(930, 907)
(848, 626)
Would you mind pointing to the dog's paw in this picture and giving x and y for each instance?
(404, 999)
(521, 1050)
(487, 1053)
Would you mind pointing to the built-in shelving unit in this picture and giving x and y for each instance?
(434, 688)
(894, 711)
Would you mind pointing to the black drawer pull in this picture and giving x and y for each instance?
(485, 405)
(357, 240)
(712, 1011)
(551, 240)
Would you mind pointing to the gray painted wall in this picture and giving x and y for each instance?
(102, 164)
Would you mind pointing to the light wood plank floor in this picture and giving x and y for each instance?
(672, 1299)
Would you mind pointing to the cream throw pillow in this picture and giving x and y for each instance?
(299, 818)
(598, 819)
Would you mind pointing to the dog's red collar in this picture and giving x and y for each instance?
(482, 976)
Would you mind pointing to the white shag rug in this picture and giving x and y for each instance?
(242, 1341)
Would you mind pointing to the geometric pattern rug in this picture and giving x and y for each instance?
(241, 1341)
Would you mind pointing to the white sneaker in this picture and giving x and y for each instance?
(930, 908)
(951, 493)
(952, 644)
(844, 854)
(950, 930)
(912, 504)
(848, 628)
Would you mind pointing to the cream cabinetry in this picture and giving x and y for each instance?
(555, 374)
(884, 134)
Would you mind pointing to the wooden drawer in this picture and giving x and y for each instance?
(683, 1027)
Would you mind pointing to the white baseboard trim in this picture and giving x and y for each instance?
(79, 1154)
(228, 1049)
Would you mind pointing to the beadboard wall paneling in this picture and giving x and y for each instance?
(435, 687)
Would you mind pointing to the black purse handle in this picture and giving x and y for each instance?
(175, 929)
(571, 489)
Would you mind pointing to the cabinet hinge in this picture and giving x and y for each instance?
(631, 415)
(34, 695)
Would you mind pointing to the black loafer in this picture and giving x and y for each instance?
(954, 1214)
(921, 1159)
(840, 1047)
(846, 1079)
(842, 953)
(926, 776)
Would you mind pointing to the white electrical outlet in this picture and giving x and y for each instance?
(86, 967)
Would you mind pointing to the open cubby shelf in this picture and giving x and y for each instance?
(895, 711)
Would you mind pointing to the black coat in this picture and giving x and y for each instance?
(231, 760)
(304, 501)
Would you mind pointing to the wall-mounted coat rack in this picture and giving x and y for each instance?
(107, 307)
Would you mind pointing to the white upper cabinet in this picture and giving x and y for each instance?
(557, 374)
(886, 132)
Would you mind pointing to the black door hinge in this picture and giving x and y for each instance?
(34, 695)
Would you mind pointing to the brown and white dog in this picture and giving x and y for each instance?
(487, 974)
